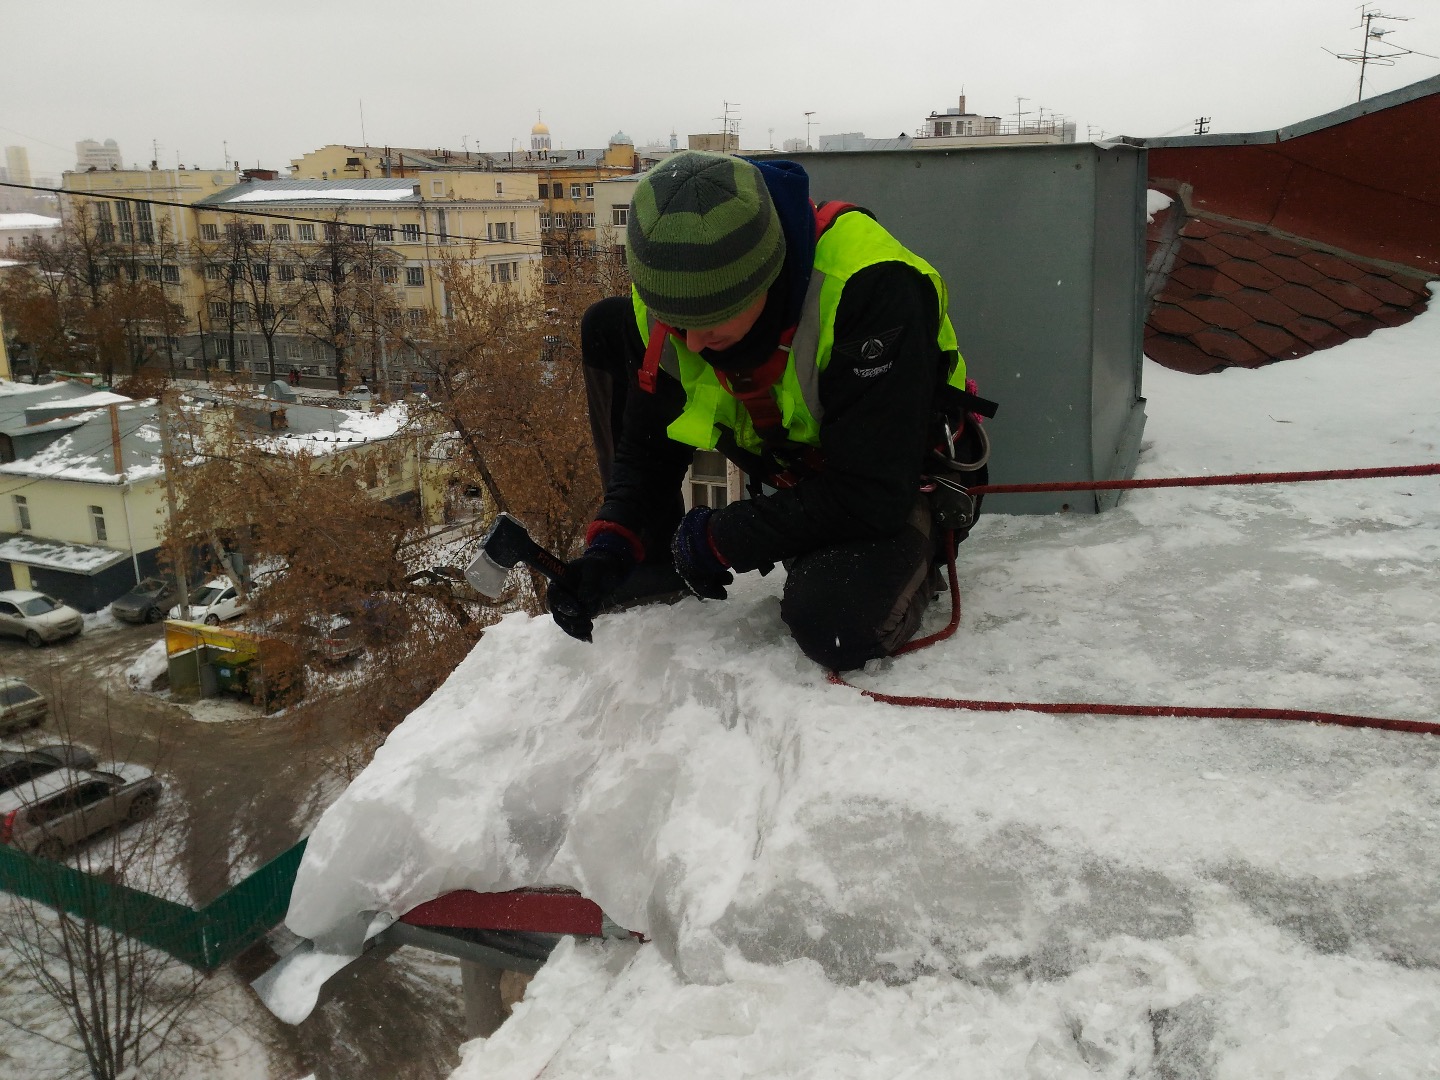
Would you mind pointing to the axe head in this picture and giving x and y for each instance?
(505, 545)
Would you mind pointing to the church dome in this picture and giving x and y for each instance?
(539, 128)
(621, 139)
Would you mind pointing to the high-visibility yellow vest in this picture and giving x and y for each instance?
(851, 243)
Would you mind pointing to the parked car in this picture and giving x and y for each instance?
(21, 705)
(211, 603)
(37, 618)
(331, 638)
(58, 810)
(146, 602)
(20, 767)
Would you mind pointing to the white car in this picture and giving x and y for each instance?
(37, 618)
(211, 603)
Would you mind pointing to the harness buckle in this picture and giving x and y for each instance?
(952, 506)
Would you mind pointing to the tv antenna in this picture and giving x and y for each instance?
(1202, 125)
(1373, 43)
(1020, 114)
(730, 128)
(808, 124)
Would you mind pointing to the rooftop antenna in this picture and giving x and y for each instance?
(729, 128)
(1373, 42)
(363, 141)
(1020, 113)
(808, 123)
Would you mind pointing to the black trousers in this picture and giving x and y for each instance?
(844, 604)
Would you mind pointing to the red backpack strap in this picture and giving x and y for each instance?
(826, 213)
(651, 367)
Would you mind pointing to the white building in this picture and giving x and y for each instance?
(90, 154)
(16, 229)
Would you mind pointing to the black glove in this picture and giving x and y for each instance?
(577, 597)
(696, 559)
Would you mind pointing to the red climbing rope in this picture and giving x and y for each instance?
(1098, 709)
(1227, 480)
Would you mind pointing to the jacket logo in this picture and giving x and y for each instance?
(864, 354)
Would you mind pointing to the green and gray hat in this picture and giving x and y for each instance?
(703, 240)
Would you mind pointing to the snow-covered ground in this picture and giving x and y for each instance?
(839, 888)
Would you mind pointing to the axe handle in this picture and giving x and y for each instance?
(543, 561)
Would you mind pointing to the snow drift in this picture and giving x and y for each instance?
(836, 887)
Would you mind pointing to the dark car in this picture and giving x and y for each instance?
(21, 705)
(24, 766)
(147, 602)
(331, 638)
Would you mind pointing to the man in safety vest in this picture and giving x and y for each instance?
(807, 346)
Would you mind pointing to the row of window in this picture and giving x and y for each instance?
(97, 519)
(409, 234)
(260, 272)
(561, 220)
(169, 273)
(239, 312)
(557, 191)
(131, 221)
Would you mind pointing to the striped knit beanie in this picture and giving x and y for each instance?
(703, 242)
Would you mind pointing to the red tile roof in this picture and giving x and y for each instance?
(1225, 293)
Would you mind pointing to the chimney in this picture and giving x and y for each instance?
(115, 441)
(962, 104)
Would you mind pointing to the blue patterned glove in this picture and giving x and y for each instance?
(697, 561)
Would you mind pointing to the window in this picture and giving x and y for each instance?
(145, 225)
(104, 226)
(97, 523)
(267, 312)
(544, 191)
(292, 350)
(500, 230)
(332, 231)
(307, 232)
(286, 271)
(499, 187)
(414, 275)
(280, 232)
(544, 221)
(22, 512)
(214, 272)
(442, 226)
(218, 310)
(242, 348)
(393, 315)
(127, 225)
(410, 233)
(619, 215)
(415, 316)
(241, 311)
(152, 272)
(589, 220)
(708, 485)
(172, 273)
(574, 191)
(388, 275)
(500, 272)
(384, 233)
(437, 187)
(260, 272)
(222, 349)
(210, 231)
(357, 232)
(589, 191)
(257, 232)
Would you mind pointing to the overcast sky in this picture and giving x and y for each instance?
(268, 80)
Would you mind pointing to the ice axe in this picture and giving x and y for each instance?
(506, 544)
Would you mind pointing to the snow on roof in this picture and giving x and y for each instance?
(328, 192)
(28, 221)
(57, 554)
(318, 430)
(86, 453)
(841, 888)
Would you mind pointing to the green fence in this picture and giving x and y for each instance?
(204, 939)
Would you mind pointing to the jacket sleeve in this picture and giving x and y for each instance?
(644, 494)
(876, 392)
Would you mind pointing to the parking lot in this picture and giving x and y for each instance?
(239, 785)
